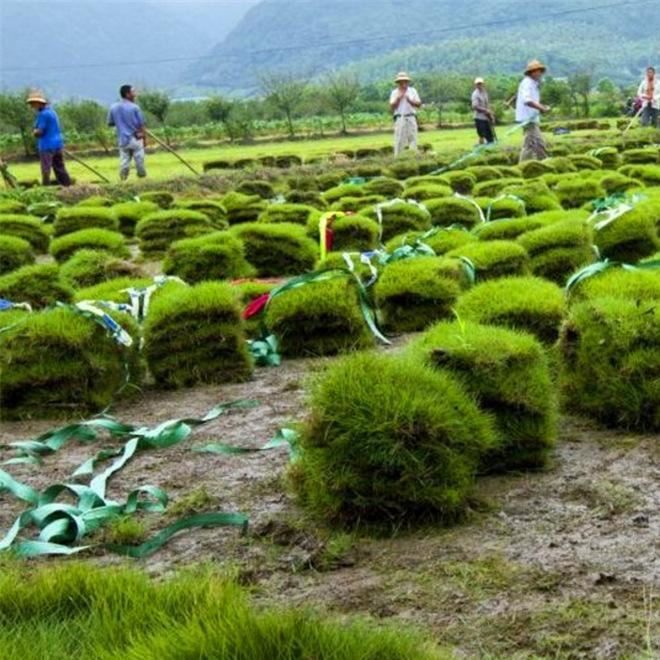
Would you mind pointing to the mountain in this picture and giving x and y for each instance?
(378, 37)
(87, 48)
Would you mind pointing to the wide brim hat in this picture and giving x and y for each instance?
(479, 81)
(535, 65)
(35, 96)
(402, 76)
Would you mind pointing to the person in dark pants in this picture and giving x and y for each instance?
(49, 140)
(484, 117)
(649, 94)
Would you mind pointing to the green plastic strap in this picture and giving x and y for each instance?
(604, 265)
(285, 436)
(265, 351)
(18, 489)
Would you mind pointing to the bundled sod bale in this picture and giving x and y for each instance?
(648, 174)
(494, 258)
(485, 172)
(28, 228)
(344, 190)
(96, 201)
(439, 239)
(384, 186)
(524, 303)
(130, 213)
(638, 285)
(507, 372)
(157, 231)
(40, 285)
(75, 218)
(632, 236)
(501, 207)
(64, 247)
(424, 191)
(276, 250)
(648, 155)
(114, 290)
(575, 191)
(261, 188)
(195, 335)
(243, 208)
(461, 181)
(57, 363)
(586, 162)
(556, 251)
(388, 441)
(298, 214)
(608, 156)
(162, 198)
(413, 293)
(536, 196)
(355, 204)
(561, 164)
(452, 211)
(306, 197)
(493, 188)
(12, 207)
(610, 367)
(302, 183)
(532, 169)
(615, 182)
(214, 211)
(354, 232)
(321, 318)
(403, 169)
(510, 229)
(89, 267)
(16, 252)
(329, 180)
(401, 216)
(215, 256)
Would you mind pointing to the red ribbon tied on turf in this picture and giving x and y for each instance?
(256, 306)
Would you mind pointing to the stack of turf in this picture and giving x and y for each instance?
(586, 162)
(559, 249)
(508, 374)
(384, 185)
(39, 285)
(532, 169)
(214, 211)
(306, 198)
(299, 214)
(263, 189)
(320, 318)
(449, 211)
(195, 335)
(648, 174)
(75, 218)
(214, 256)
(89, 267)
(505, 206)
(354, 232)
(28, 228)
(130, 213)
(413, 293)
(484, 172)
(494, 187)
(423, 191)
(400, 216)
(340, 191)
(492, 259)
(610, 369)
(113, 242)
(615, 182)
(524, 303)
(510, 229)
(608, 156)
(57, 363)
(536, 196)
(561, 164)
(115, 290)
(157, 231)
(14, 253)
(12, 207)
(354, 204)
(99, 201)
(638, 285)
(632, 236)
(403, 169)
(329, 180)
(162, 198)
(640, 156)
(462, 181)
(243, 208)
(440, 239)
(277, 249)
(389, 441)
(574, 191)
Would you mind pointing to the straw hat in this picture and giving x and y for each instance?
(479, 81)
(402, 76)
(534, 65)
(36, 96)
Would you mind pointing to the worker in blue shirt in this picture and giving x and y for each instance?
(49, 140)
(128, 120)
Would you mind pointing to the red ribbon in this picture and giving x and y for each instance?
(256, 306)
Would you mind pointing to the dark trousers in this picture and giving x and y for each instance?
(484, 130)
(649, 116)
(53, 160)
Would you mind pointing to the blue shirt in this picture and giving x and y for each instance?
(127, 118)
(49, 125)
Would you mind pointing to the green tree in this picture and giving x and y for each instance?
(285, 93)
(581, 85)
(341, 94)
(16, 114)
(157, 103)
(86, 117)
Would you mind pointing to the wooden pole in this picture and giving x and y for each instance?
(632, 121)
(68, 154)
(174, 153)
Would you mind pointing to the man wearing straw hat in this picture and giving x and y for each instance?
(404, 102)
(529, 110)
(484, 117)
(49, 140)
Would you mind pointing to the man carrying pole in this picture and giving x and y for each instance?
(49, 140)
(649, 93)
(528, 112)
(128, 120)
(404, 102)
(484, 117)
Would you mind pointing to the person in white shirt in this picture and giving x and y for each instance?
(649, 94)
(404, 102)
(529, 110)
(484, 117)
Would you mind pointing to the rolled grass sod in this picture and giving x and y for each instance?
(162, 198)
(574, 191)
(114, 290)
(336, 193)
(384, 185)
(355, 204)
(157, 231)
(509, 229)
(243, 208)
(532, 169)
(507, 372)
(12, 207)
(648, 174)
(388, 441)
(214, 211)
(399, 217)
(307, 198)
(57, 363)
(28, 228)
(14, 253)
(501, 207)
(610, 366)
(354, 232)
(66, 246)
(643, 156)
(532, 304)
(493, 259)
(320, 318)
(440, 239)
(448, 211)
(561, 164)
(89, 267)
(461, 181)
(75, 218)
(40, 285)
(298, 214)
(638, 285)
(195, 335)
(413, 293)
(615, 182)
(96, 201)
(484, 172)
(130, 213)
(263, 189)
(278, 249)
(215, 256)
(494, 187)
(423, 191)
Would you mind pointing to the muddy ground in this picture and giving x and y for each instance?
(562, 563)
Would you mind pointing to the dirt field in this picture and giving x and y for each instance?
(563, 563)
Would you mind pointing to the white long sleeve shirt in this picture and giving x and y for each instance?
(528, 90)
(405, 107)
(643, 91)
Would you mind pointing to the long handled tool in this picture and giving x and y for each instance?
(174, 153)
(68, 154)
(632, 121)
